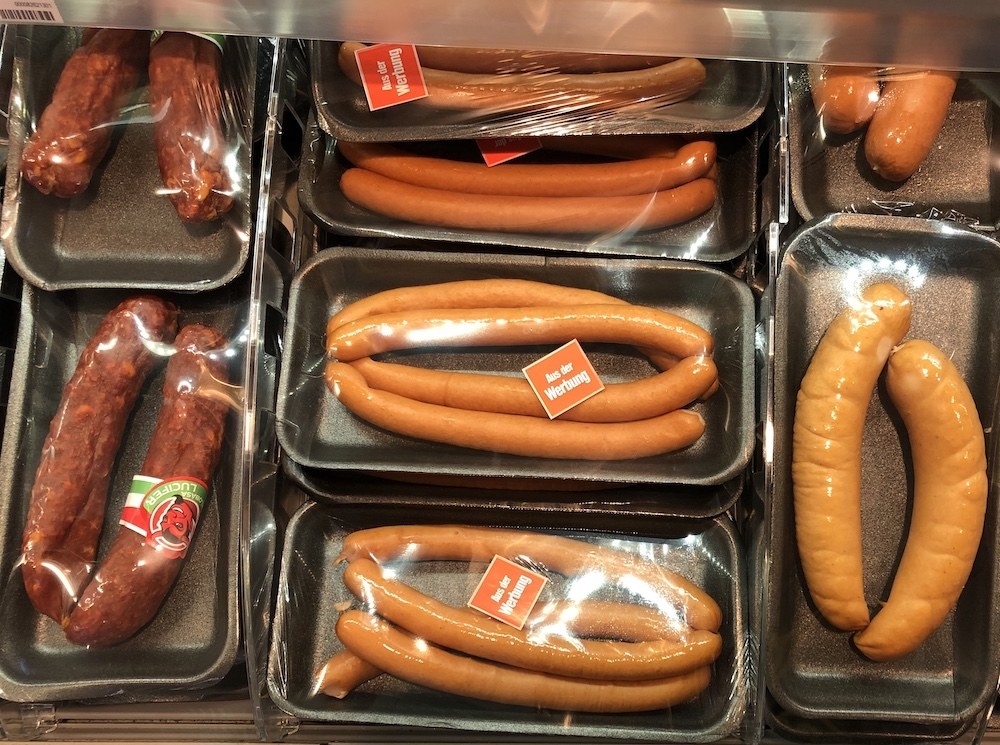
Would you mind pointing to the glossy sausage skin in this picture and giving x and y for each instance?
(134, 577)
(845, 98)
(185, 93)
(74, 131)
(479, 61)
(830, 410)
(950, 491)
(66, 509)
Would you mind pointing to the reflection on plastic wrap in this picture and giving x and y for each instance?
(535, 632)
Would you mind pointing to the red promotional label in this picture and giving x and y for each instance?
(497, 150)
(507, 592)
(563, 378)
(390, 74)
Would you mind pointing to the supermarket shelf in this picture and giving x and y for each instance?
(958, 35)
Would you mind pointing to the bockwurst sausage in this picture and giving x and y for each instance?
(845, 97)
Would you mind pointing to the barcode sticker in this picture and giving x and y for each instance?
(29, 11)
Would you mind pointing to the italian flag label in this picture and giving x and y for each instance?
(165, 511)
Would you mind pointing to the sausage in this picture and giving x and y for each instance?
(574, 215)
(910, 113)
(509, 433)
(584, 619)
(138, 571)
(628, 147)
(185, 92)
(66, 508)
(75, 129)
(465, 630)
(950, 491)
(477, 327)
(845, 97)
(617, 178)
(618, 402)
(565, 556)
(410, 659)
(826, 449)
(480, 61)
(637, 89)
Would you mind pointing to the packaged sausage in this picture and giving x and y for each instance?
(527, 630)
(391, 92)
(138, 133)
(895, 141)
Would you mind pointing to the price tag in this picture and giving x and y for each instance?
(507, 592)
(563, 378)
(390, 74)
(497, 150)
(29, 11)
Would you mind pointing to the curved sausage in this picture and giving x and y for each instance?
(845, 97)
(479, 61)
(826, 449)
(465, 630)
(66, 508)
(138, 571)
(623, 147)
(950, 490)
(616, 178)
(477, 327)
(648, 88)
(410, 659)
(75, 129)
(565, 556)
(527, 436)
(910, 113)
(618, 402)
(185, 93)
(575, 215)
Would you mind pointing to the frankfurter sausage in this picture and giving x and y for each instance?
(647, 88)
(140, 568)
(465, 630)
(185, 92)
(845, 97)
(616, 178)
(826, 445)
(950, 488)
(910, 113)
(75, 129)
(476, 327)
(565, 556)
(344, 672)
(450, 209)
(618, 402)
(412, 660)
(66, 509)
(480, 61)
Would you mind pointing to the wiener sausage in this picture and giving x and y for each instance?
(910, 113)
(185, 94)
(826, 449)
(66, 509)
(480, 61)
(618, 402)
(950, 488)
(565, 556)
(845, 97)
(477, 327)
(527, 436)
(574, 215)
(140, 568)
(465, 630)
(412, 660)
(648, 88)
(75, 129)
(616, 178)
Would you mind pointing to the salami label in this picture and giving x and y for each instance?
(165, 511)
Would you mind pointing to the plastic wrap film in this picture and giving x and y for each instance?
(893, 141)
(881, 582)
(143, 134)
(603, 635)
(122, 494)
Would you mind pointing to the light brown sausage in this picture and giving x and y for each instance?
(844, 97)
(480, 61)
